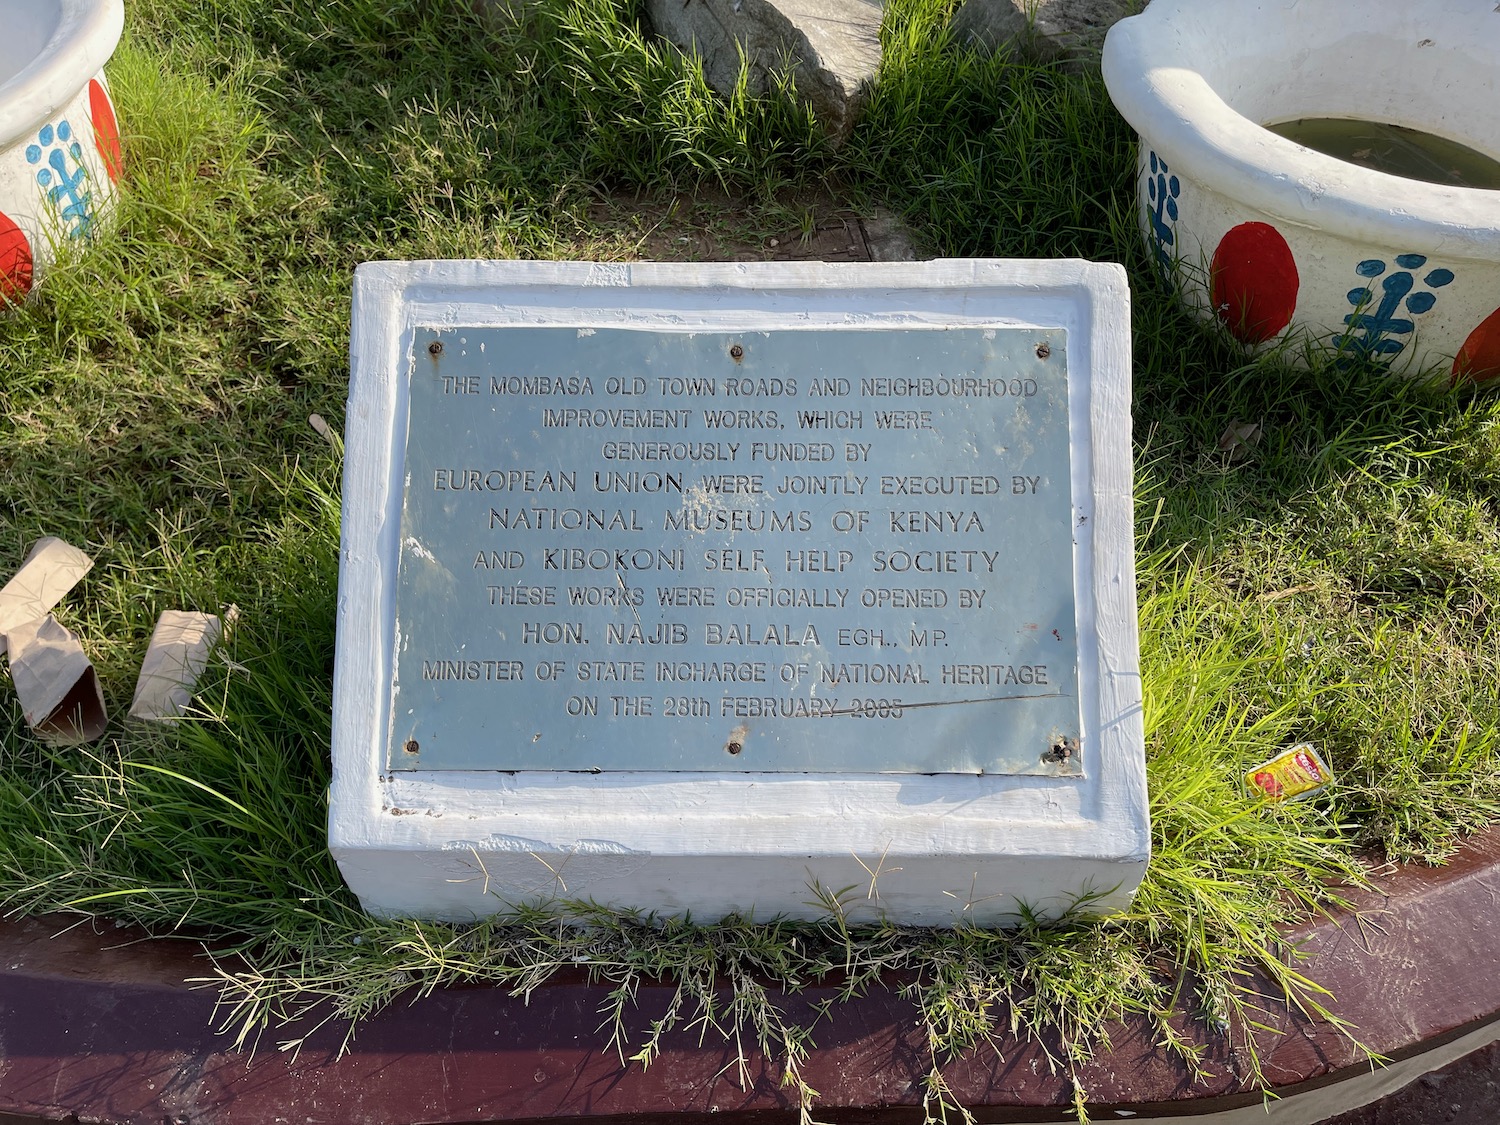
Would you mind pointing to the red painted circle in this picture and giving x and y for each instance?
(106, 129)
(1479, 359)
(15, 261)
(1253, 280)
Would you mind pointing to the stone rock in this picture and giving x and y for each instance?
(1046, 29)
(889, 239)
(831, 46)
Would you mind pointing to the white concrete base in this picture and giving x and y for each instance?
(929, 849)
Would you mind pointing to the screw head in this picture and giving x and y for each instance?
(1061, 751)
(435, 348)
(411, 746)
(1043, 351)
(736, 352)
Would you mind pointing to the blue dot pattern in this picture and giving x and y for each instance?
(1374, 330)
(61, 175)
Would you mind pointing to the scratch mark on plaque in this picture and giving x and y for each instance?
(620, 578)
(965, 702)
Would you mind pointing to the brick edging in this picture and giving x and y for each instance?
(101, 1027)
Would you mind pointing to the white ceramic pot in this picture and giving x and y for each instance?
(1278, 241)
(59, 141)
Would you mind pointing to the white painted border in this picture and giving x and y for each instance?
(458, 844)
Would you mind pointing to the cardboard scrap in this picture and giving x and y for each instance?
(178, 653)
(1239, 439)
(323, 429)
(56, 683)
(51, 569)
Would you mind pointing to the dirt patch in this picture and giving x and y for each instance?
(718, 228)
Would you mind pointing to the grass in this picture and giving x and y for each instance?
(1335, 583)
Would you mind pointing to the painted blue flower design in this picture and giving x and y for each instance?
(63, 180)
(1373, 329)
(1162, 190)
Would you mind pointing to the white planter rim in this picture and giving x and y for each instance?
(1176, 111)
(84, 39)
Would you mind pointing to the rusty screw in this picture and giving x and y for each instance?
(734, 747)
(736, 353)
(1061, 751)
(435, 348)
(1043, 351)
(411, 746)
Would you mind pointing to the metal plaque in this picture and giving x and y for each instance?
(825, 550)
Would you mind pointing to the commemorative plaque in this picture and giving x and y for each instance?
(654, 572)
(838, 551)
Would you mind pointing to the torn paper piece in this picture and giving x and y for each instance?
(176, 657)
(323, 429)
(1239, 439)
(50, 571)
(56, 684)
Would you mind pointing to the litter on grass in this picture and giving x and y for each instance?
(1294, 773)
(50, 570)
(178, 653)
(1239, 440)
(56, 683)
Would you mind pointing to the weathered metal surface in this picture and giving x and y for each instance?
(831, 551)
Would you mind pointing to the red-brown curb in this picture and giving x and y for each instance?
(95, 1026)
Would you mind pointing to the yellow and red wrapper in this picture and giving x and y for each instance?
(1295, 772)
